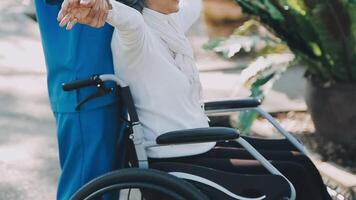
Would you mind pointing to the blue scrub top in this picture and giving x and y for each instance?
(72, 55)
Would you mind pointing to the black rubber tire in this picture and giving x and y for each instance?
(136, 176)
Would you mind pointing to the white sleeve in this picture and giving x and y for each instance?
(189, 12)
(128, 22)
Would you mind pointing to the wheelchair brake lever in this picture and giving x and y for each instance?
(102, 91)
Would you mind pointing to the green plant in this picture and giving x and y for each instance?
(321, 33)
(270, 58)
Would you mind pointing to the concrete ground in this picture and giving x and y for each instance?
(28, 148)
(29, 165)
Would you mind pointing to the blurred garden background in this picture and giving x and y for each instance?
(297, 56)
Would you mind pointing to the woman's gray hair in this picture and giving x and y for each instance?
(136, 4)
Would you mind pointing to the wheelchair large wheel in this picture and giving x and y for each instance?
(150, 181)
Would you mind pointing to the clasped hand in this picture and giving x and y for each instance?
(90, 12)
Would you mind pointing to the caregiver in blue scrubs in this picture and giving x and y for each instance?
(86, 139)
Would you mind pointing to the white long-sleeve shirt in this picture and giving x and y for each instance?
(161, 92)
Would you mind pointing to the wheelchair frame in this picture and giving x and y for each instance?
(140, 145)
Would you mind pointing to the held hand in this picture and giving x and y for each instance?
(90, 12)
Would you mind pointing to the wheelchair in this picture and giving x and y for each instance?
(184, 181)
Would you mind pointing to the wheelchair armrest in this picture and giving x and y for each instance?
(232, 104)
(198, 135)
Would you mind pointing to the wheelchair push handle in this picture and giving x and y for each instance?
(78, 84)
(93, 81)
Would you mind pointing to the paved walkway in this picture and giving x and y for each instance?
(28, 149)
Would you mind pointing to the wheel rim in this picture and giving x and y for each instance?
(171, 194)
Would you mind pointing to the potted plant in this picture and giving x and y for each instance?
(322, 34)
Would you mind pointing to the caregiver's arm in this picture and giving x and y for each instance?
(90, 12)
(128, 22)
(189, 12)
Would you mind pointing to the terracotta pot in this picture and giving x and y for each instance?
(222, 17)
(333, 110)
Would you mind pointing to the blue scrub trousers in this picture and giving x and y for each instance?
(88, 146)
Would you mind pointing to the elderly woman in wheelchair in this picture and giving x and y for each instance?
(174, 152)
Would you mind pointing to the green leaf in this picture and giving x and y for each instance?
(274, 12)
(248, 28)
(298, 6)
(213, 43)
(351, 8)
(330, 20)
(260, 81)
(273, 49)
(246, 119)
(322, 32)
